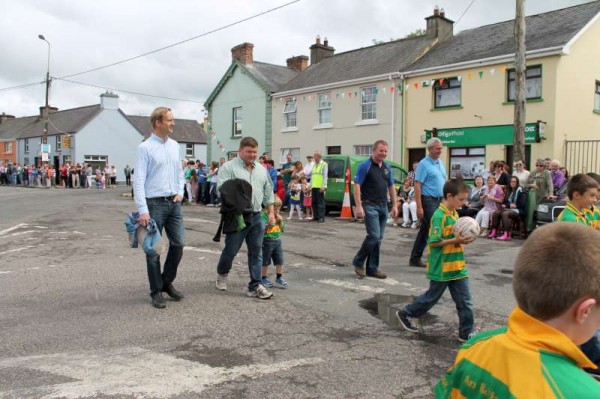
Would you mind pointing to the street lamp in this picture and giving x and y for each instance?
(45, 137)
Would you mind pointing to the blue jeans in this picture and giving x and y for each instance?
(375, 218)
(253, 235)
(592, 348)
(461, 295)
(430, 205)
(167, 214)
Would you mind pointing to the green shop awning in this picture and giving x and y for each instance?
(482, 135)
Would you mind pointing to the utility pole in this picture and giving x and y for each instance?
(519, 127)
(47, 111)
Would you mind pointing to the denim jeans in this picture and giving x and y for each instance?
(168, 215)
(253, 235)
(375, 218)
(591, 348)
(461, 295)
(430, 205)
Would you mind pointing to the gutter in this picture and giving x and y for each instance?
(557, 50)
(343, 83)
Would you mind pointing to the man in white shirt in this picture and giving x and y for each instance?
(308, 167)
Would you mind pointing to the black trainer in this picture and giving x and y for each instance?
(406, 322)
(158, 301)
(172, 292)
(419, 263)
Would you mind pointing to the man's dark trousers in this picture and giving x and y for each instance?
(318, 198)
(430, 205)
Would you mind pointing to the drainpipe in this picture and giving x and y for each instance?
(392, 78)
(402, 85)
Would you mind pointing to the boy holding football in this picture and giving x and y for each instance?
(445, 265)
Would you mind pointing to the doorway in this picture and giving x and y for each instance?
(415, 155)
(509, 157)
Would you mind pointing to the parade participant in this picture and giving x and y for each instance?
(127, 172)
(373, 182)
(318, 183)
(536, 355)
(272, 250)
(582, 191)
(158, 192)
(247, 168)
(286, 174)
(593, 213)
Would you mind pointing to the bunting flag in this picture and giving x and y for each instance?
(349, 94)
(432, 82)
(492, 71)
(355, 94)
(441, 81)
(416, 85)
(391, 89)
(469, 76)
(480, 74)
(459, 77)
(384, 90)
(406, 87)
(504, 69)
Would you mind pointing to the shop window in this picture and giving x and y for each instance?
(533, 83)
(368, 101)
(289, 113)
(237, 122)
(467, 162)
(447, 93)
(363, 149)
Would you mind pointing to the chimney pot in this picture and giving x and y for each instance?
(318, 41)
(319, 51)
(436, 11)
(442, 13)
(325, 42)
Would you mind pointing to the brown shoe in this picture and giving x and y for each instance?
(360, 272)
(378, 274)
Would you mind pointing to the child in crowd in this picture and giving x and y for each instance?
(593, 213)
(307, 191)
(536, 355)
(272, 248)
(582, 191)
(445, 265)
(295, 189)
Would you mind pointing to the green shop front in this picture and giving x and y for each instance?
(467, 146)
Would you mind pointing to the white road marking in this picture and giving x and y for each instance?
(195, 249)
(352, 286)
(77, 232)
(18, 226)
(200, 220)
(5, 272)
(22, 232)
(17, 249)
(40, 227)
(134, 372)
(34, 268)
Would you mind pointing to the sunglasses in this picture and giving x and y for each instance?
(540, 164)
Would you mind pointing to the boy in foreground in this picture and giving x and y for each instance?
(445, 265)
(582, 191)
(557, 287)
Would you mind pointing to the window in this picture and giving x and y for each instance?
(189, 150)
(467, 162)
(58, 143)
(533, 83)
(231, 155)
(284, 153)
(363, 149)
(368, 100)
(8, 147)
(324, 108)
(597, 97)
(446, 93)
(26, 146)
(237, 122)
(289, 113)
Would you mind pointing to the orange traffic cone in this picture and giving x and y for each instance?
(346, 213)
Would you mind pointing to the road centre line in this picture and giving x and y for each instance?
(18, 226)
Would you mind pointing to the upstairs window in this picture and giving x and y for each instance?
(189, 150)
(324, 109)
(446, 93)
(58, 143)
(8, 147)
(26, 146)
(368, 101)
(289, 113)
(597, 97)
(533, 83)
(237, 122)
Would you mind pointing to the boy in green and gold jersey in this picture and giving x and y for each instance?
(592, 214)
(582, 191)
(556, 283)
(445, 265)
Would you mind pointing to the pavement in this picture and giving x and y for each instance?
(76, 319)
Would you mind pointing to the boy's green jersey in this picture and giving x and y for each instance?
(573, 215)
(448, 262)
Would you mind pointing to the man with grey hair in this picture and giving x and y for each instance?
(429, 186)
(318, 182)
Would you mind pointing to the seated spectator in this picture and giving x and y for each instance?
(406, 200)
(513, 208)
(492, 197)
(473, 204)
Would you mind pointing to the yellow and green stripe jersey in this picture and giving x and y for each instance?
(572, 214)
(448, 262)
(527, 359)
(592, 217)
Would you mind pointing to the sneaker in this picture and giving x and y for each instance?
(463, 339)
(406, 322)
(413, 226)
(281, 283)
(378, 274)
(222, 282)
(405, 225)
(260, 292)
(266, 282)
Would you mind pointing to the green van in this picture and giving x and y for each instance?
(336, 177)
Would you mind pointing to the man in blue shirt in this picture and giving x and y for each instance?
(372, 184)
(158, 187)
(429, 185)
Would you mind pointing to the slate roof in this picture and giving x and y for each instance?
(550, 29)
(273, 76)
(68, 121)
(185, 130)
(375, 60)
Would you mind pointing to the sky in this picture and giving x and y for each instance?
(88, 34)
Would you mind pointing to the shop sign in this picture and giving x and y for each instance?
(482, 135)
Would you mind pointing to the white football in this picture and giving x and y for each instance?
(466, 227)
